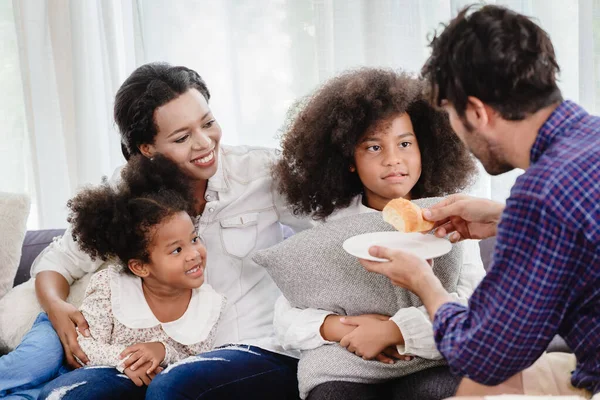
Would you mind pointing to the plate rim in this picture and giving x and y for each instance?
(412, 234)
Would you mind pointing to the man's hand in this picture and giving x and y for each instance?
(372, 337)
(141, 354)
(65, 318)
(412, 273)
(403, 269)
(465, 217)
(140, 376)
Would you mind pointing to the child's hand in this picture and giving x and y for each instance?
(371, 336)
(141, 353)
(333, 330)
(140, 376)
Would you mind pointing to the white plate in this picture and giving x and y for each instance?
(424, 246)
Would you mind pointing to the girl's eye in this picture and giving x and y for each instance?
(195, 240)
(209, 124)
(176, 251)
(405, 144)
(374, 148)
(182, 139)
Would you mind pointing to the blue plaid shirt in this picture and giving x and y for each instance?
(545, 275)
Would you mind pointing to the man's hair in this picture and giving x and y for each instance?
(496, 55)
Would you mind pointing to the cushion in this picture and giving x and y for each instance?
(14, 210)
(34, 243)
(313, 271)
(19, 308)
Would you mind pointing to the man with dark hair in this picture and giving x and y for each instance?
(494, 71)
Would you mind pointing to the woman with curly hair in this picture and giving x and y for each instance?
(364, 138)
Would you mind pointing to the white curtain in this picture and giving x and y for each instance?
(73, 57)
(257, 56)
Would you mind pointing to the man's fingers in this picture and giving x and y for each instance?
(439, 213)
(371, 266)
(382, 252)
(455, 237)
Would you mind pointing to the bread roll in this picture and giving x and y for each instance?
(405, 216)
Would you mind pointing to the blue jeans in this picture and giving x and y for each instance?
(229, 372)
(38, 359)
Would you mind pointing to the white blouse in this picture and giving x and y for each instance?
(119, 316)
(243, 213)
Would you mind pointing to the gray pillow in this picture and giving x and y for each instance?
(313, 271)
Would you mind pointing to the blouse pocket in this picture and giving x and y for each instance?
(238, 234)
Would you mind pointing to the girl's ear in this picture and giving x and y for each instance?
(147, 150)
(138, 268)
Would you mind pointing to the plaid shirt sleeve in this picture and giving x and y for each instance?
(516, 310)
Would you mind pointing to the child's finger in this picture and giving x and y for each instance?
(133, 357)
(152, 367)
(131, 349)
(141, 361)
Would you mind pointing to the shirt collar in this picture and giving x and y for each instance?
(219, 182)
(559, 121)
(130, 308)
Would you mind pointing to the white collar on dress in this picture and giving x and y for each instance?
(131, 309)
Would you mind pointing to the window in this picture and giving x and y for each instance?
(15, 155)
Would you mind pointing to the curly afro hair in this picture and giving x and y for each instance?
(109, 221)
(322, 131)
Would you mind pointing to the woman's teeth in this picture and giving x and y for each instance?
(206, 159)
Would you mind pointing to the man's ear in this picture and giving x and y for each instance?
(477, 113)
(139, 268)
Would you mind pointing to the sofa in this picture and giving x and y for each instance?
(36, 241)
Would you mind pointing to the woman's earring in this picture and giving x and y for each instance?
(352, 168)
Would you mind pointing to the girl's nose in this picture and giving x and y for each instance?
(392, 158)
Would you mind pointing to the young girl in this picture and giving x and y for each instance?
(149, 308)
(362, 139)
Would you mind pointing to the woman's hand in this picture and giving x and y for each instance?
(140, 376)
(465, 217)
(143, 353)
(67, 320)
